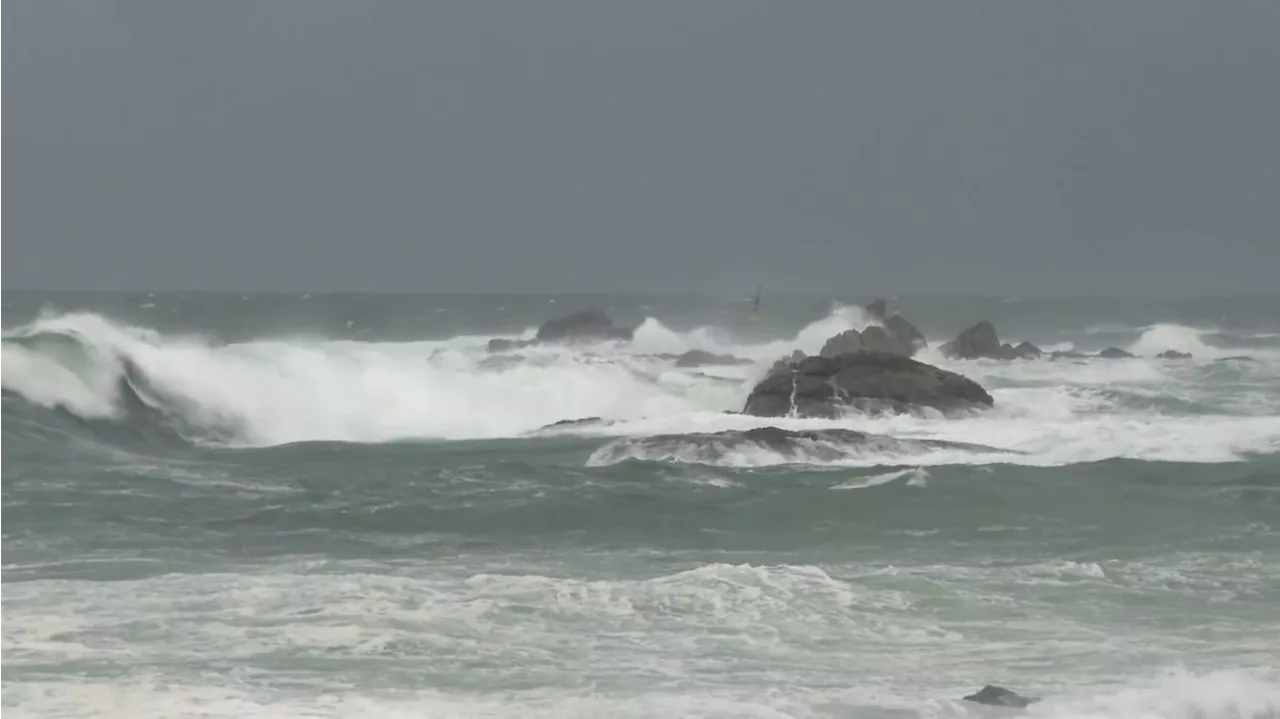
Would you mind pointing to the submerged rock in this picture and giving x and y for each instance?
(992, 695)
(865, 381)
(698, 358)
(1174, 355)
(789, 446)
(499, 344)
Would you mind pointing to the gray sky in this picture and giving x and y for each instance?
(1118, 146)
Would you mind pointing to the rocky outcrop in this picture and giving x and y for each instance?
(1115, 353)
(847, 341)
(980, 341)
(1174, 355)
(995, 696)
(873, 382)
(905, 332)
(584, 326)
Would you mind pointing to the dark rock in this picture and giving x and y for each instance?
(1115, 353)
(698, 358)
(1000, 697)
(878, 310)
(807, 446)
(866, 381)
(980, 340)
(586, 325)
(1173, 355)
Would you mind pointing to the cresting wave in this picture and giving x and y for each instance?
(277, 391)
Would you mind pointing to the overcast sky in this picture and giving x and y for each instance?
(1117, 146)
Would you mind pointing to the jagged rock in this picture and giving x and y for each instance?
(866, 381)
(906, 333)
(847, 341)
(878, 310)
(878, 339)
(586, 325)
(1173, 355)
(992, 695)
(785, 363)
(1115, 353)
(698, 358)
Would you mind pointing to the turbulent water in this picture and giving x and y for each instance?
(275, 505)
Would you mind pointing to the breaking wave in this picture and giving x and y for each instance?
(276, 391)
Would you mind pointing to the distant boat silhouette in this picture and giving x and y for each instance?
(755, 305)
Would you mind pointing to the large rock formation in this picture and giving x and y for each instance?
(865, 381)
(981, 341)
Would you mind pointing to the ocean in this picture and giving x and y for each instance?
(274, 505)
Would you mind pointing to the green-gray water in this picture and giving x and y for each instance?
(287, 505)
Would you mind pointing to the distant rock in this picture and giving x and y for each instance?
(1237, 358)
(584, 326)
(980, 341)
(699, 358)
(1024, 350)
(865, 381)
(1173, 355)
(1000, 697)
(878, 310)
(805, 446)
(1115, 353)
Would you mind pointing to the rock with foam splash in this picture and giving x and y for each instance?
(583, 326)
(870, 382)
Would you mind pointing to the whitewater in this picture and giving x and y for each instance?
(226, 505)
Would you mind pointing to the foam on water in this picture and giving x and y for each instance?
(781, 640)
